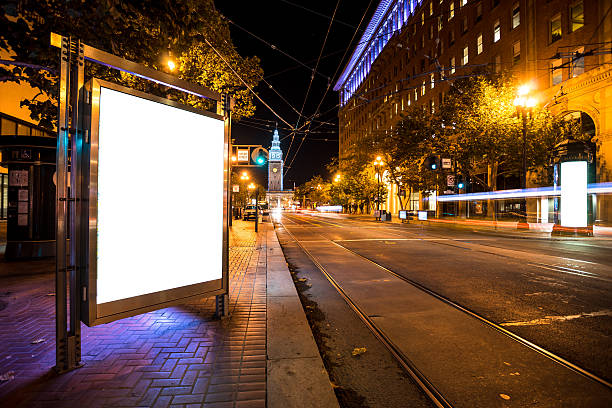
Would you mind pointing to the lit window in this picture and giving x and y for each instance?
(431, 8)
(408, 100)
(496, 31)
(479, 44)
(578, 62)
(423, 88)
(463, 3)
(556, 72)
(452, 65)
(422, 18)
(439, 23)
(516, 15)
(576, 16)
(465, 55)
(451, 10)
(432, 79)
(555, 28)
(516, 52)
(416, 95)
(431, 106)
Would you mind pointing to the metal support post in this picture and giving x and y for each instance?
(222, 301)
(68, 254)
(256, 209)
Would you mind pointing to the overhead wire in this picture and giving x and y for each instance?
(245, 84)
(333, 76)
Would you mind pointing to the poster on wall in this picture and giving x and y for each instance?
(156, 209)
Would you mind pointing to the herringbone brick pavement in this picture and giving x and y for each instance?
(178, 357)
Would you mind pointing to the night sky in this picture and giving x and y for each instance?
(300, 33)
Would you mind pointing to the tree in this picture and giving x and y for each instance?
(143, 31)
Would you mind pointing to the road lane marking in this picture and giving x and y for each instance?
(551, 319)
(564, 270)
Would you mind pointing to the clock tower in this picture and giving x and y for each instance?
(275, 165)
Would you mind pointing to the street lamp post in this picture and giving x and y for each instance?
(378, 163)
(251, 187)
(244, 177)
(524, 105)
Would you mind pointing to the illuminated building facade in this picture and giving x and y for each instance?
(412, 48)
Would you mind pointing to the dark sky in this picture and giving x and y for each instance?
(299, 33)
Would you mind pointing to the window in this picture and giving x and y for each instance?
(439, 23)
(463, 3)
(452, 65)
(516, 52)
(556, 72)
(516, 15)
(578, 62)
(422, 18)
(423, 88)
(432, 81)
(479, 44)
(8, 127)
(496, 31)
(451, 10)
(451, 37)
(431, 8)
(555, 28)
(576, 16)
(431, 106)
(466, 57)
(497, 63)
(478, 12)
(464, 25)
(431, 32)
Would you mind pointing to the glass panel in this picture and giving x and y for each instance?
(23, 130)
(496, 31)
(556, 72)
(577, 16)
(516, 16)
(555, 28)
(8, 127)
(578, 63)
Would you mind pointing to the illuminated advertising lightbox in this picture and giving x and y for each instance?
(574, 194)
(156, 211)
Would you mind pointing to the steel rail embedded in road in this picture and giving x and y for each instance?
(428, 388)
(471, 313)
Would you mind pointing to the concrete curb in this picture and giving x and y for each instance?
(296, 376)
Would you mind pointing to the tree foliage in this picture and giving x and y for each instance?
(143, 31)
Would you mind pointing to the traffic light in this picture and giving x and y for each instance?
(259, 156)
(460, 182)
(432, 163)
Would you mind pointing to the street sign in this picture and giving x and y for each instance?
(235, 188)
(450, 180)
(446, 163)
(243, 155)
(127, 273)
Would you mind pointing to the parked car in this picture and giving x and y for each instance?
(249, 212)
(264, 209)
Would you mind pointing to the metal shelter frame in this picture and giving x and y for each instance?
(72, 194)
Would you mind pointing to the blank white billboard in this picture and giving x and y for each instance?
(160, 172)
(574, 194)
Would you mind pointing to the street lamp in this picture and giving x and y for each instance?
(524, 105)
(378, 163)
(252, 187)
(337, 178)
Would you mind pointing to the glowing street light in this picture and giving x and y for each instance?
(378, 163)
(337, 178)
(244, 176)
(171, 64)
(524, 105)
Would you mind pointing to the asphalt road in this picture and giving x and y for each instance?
(553, 293)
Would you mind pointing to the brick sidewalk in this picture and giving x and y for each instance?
(179, 356)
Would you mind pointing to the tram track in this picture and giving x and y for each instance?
(437, 398)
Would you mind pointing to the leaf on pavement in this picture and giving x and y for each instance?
(504, 396)
(358, 351)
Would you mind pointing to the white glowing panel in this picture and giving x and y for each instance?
(160, 197)
(574, 194)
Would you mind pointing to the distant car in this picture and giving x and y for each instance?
(264, 209)
(249, 213)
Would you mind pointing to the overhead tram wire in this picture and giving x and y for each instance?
(245, 84)
(334, 78)
(312, 77)
(274, 47)
(317, 13)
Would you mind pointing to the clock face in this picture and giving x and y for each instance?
(274, 169)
